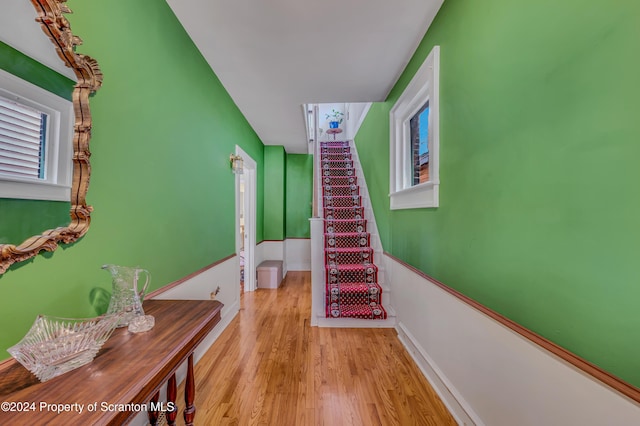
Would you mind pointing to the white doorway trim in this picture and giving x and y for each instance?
(250, 194)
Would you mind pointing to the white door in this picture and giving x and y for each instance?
(248, 213)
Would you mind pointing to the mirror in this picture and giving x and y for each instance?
(50, 15)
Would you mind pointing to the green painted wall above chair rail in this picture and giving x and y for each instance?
(299, 191)
(539, 198)
(288, 189)
(275, 163)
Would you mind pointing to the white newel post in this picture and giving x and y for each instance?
(317, 269)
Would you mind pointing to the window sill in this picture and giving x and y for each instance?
(34, 191)
(424, 195)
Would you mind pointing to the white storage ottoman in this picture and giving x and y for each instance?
(270, 274)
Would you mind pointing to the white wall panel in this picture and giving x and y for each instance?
(489, 374)
(298, 254)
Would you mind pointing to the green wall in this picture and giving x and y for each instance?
(288, 190)
(275, 163)
(161, 185)
(19, 222)
(14, 229)
(539, 198)
(20, 65)
(299, 195)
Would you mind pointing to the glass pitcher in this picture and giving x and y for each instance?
(126, 300)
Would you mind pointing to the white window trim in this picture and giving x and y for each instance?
(59, 152)
(423, 87)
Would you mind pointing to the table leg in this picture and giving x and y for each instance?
(189, 394)
(172, 391)
(153, 414)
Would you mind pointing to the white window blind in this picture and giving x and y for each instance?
(22, 137)
(36, 131)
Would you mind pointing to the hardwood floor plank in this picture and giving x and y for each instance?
(269, 367)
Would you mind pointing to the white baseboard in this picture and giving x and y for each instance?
(459, 409)
(299, 267)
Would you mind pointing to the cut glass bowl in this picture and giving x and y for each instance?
(54, 346)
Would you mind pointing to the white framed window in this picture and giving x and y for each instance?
(36, 131)
(415, 139)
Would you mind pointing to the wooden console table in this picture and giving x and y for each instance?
(123, 379)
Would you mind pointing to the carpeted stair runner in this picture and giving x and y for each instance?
(352, 287)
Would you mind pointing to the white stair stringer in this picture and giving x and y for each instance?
(372, 227)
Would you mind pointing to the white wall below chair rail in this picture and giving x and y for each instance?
(298, 254)
(272, 250)
(295, 253)
(486, 373)
(225, 275)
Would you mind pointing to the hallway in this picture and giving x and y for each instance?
(269, 367)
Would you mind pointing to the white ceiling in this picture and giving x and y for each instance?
(272, 56)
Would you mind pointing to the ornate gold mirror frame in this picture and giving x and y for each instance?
(87, 71)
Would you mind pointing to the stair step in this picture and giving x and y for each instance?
(356, 311)
(340, 190)
(336, 156)
(333, 213)
(340, 180)
(349, 295)
(345, 226)
(326, 159)
(367, 268)
(334, 151)
(336, 164)
(349, 255)
(338, 172)
(350, 274)
(334, 144)
(357, 289)
(342, 201)
(347, 239)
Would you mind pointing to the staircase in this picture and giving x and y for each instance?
(352, 289)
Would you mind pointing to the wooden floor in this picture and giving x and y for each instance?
(269, 367)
